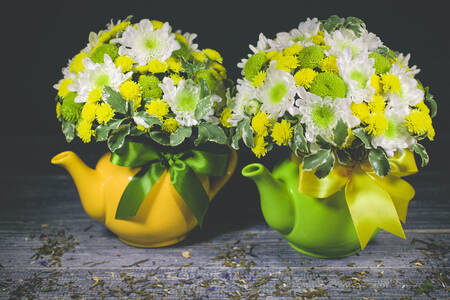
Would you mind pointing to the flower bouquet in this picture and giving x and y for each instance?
(154, 98)
(352, 114)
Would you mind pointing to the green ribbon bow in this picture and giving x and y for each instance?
(182, 166)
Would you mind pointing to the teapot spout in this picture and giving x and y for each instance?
(276, 202)
(87, 181)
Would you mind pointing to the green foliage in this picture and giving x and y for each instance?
(115, 100)
(363, 137)
(98, 55)
(310, 57)
(70, 110)
(254, 65)
(68, 129)
(160, 137)
(429, 100)
(244, 131)
(340, 133)
(180, 135)
(379, 162)
(422, 152)
(334, 22)
(312, 161)
(184, 52)
(208, 132)
(191, 68)
(206, 76)
(299, 144)
(117, 137)
(385, 51)
(324, 169)
(102, 131)
(142, 117)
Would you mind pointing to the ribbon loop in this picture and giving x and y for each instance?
(373, 201)
(182, 167)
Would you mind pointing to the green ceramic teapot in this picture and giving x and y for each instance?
(316, 227)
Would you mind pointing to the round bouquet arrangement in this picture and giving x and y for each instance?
(154, 98)
(348, 107)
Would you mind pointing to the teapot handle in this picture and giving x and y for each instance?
(218, 182)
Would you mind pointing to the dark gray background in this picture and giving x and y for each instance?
(39, 38)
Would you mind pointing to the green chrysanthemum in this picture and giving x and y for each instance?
(382, 64)
(329, 84)
(99, 53)
(149, 86)
(70, 110)
(253, 65)
(310, 57)
(208, 77)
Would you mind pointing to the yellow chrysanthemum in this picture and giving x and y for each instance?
(170, 125)
(119, 27)
(377, 104)
(423, 107)
(176, 78)
(260, 123)
(317, 39)
(376, 124)
(360, 110)
(273, 55)
(63, 89)
(431, 133)
(58, 110)
(328, 64)
(286, 62)
(130, 90)
(174, 64)
(141, 69)
(84, 131)
(375, 81)
(282, 132)
(181, 38)
(157, 66)
(292, 50)
(199, 56)
(304, 77)
(418, 122)
(104, 113)
(142, 128)
(94, 95)
(259, 146)
(157, 24)
(77, 63)
(126, 62)
(225, 116)
(158, 108)
(213, 55)
(221, 69)
(390, 82)
(216, 74)
(88, 112)
(259, 78)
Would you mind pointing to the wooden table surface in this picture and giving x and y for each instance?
(49, 248)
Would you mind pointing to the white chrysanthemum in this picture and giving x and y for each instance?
(263, 44)
(320, 115)
(245, 93)
(396, 137)
(183, 100)
(277, 92)
(299, 35)
(340, 39)
(190, 37)
(371, 40)
(403, 61)
(143, 43)
(409, 94)
(96, 76)
(357, 72)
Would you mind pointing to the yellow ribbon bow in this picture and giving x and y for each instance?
(373, 201)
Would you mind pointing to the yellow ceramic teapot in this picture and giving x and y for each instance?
(163, 218)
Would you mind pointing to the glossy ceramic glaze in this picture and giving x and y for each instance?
(316, 227)
(163, 217)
